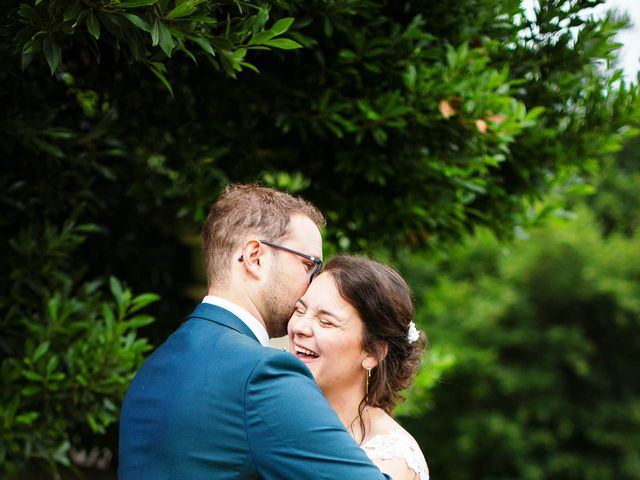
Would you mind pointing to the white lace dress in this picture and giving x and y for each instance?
(398, 444)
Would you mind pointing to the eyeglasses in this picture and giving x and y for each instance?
(317, 262)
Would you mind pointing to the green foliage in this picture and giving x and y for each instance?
(545, 338)
(617, 204)
(429, 130)
(149, 31)
(68, 350)
(408, 123)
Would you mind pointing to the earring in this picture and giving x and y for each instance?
(366, 393)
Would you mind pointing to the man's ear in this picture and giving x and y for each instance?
(252, 258)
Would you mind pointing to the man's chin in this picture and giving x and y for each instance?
(278, 328)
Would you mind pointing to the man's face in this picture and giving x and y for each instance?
(289, 276)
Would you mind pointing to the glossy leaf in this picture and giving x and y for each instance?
(283, 43)
(53, 53)
(93, 25)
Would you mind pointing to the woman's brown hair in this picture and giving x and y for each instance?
(384, 302)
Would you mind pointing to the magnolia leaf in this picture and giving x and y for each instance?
(165, 39)
(93, 25)
(136, 3)
(156, 71)
(138, 22)
(250, 66)
(155, 33)
(72, 12)
(53, 53)
(27, 11)
(206, 46)
(283, 43)
(204, 19)
(181, 11)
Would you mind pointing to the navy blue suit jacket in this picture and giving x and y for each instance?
(212, 403)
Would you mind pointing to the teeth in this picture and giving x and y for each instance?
(305, 351)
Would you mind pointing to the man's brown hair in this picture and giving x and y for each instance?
(248, 209)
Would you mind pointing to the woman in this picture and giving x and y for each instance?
(353, 328)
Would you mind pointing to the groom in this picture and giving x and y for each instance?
(214, 401)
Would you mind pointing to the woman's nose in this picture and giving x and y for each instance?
(302, 326)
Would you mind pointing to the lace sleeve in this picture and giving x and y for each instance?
(398, 444)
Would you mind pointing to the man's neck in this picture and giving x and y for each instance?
(240, 300)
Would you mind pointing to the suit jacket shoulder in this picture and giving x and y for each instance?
(211, 402)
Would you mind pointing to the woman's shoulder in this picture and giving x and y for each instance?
(394, 450)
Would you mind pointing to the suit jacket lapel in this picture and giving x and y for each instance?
(223, 317)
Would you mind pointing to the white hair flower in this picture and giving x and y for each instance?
(413, 334)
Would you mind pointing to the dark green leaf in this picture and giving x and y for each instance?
(203, 19)
(221, 43)
(93, 25)
(40, 351)
(135, 3)
(27, 11)
(116, 289)
(250, 66)
(72, 12)
(138, 22)
(139, 321)
(33, 376)
(165, 39)
(261, 37)
(282, 26)
(142, 301)
(30, 390)
(156, 71)
(52, 364)
(283, 44)
(155, 33)
(206, 46)
(180, 11)
(53, 53)
(27, 418)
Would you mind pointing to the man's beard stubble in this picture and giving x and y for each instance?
(278, 307)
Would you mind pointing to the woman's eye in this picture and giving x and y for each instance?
(325, 323)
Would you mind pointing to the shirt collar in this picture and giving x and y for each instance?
(249, 320)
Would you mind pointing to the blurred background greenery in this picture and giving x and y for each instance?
(477, 148)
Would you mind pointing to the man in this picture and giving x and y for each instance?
(213, 402)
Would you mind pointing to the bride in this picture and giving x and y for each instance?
(353, 328)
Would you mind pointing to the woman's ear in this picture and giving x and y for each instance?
(371, 360)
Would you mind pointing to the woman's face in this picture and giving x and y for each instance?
(325, 332)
